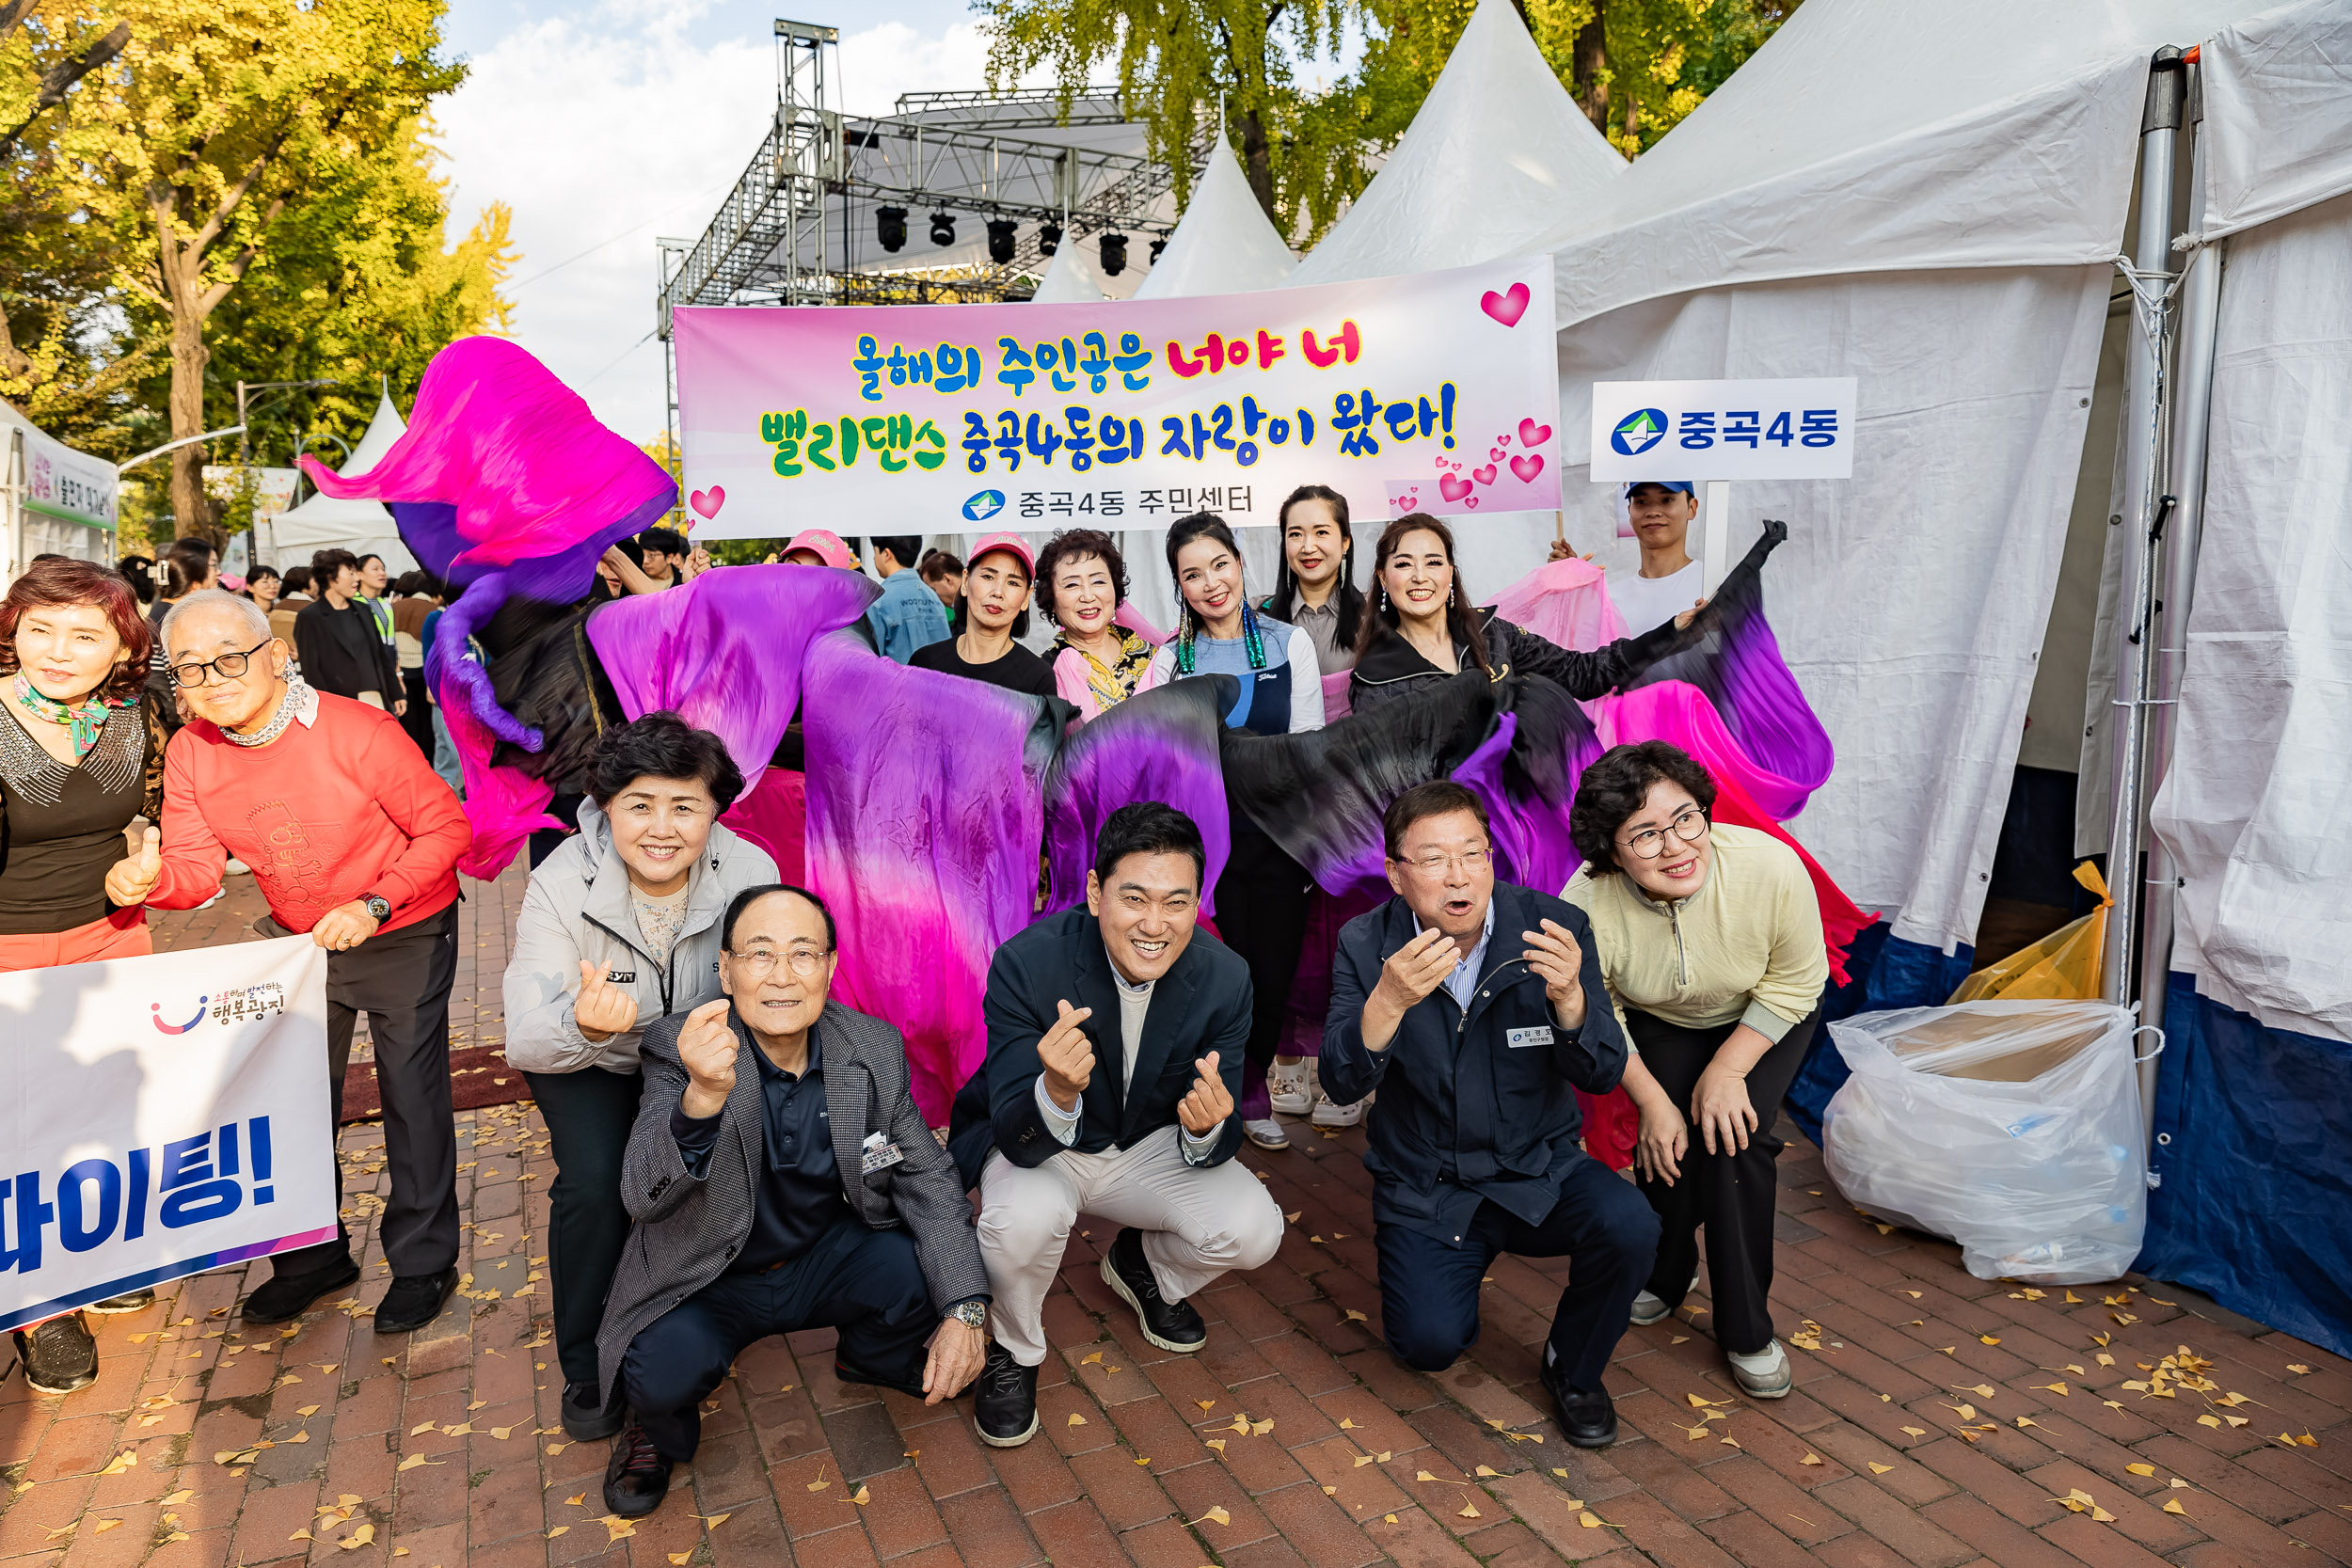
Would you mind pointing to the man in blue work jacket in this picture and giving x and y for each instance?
(1475, 1010)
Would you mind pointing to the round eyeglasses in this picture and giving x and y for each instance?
(228, 666)
(759, 962)
(1689, 825)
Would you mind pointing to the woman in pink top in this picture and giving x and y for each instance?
(1082, 582)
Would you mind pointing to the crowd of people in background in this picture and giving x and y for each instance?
(738, 1153)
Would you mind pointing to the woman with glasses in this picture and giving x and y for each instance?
(1711, 944)
(81, 757)
(620, 929)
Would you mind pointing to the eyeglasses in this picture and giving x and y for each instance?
(759, 962)
(228, 666)
(1689, 825)
(1434, 866)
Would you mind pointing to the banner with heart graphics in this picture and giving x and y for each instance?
(167, 1115)
(923, 418)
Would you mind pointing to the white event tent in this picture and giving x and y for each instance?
(1068, 279)
(362, 526)
(1225, 243)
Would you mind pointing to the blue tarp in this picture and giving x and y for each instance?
(1884, 971)
(2254, 1150)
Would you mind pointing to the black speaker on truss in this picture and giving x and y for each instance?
(943, 227)
(1114, 254)
(1158, 246)
(1000, 239)
(890, 228)
(1049, 236)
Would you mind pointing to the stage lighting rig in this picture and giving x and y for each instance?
(890, 228)
(943, 227)
(1001, 232)
(1048, 237)
(1114, 254)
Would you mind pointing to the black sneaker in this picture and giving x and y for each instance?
(130, 1301)
(1169, 1324)
(1586, 1420)
(1004, 1399)
(637, 1478)
(586, 1417)
(58, 1355)
(285, 1297)
(414, 1301)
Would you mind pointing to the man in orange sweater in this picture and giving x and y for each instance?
(355, 840)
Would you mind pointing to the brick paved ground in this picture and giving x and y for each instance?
(1941, 1421)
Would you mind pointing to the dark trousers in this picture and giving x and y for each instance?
(417, 721)
(400, 979)
(1429, 1287)
(865, 1283)
(589, 1115)
(564, 808)
(1261, 901)
(1730, 1192)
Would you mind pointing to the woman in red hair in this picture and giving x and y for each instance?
(81, 755)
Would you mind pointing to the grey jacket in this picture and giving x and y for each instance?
(577, 907)
(689, 1229)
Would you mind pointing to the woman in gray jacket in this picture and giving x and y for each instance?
(620, 927)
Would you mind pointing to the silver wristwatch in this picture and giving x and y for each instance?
(379, 908)
(971, 1314)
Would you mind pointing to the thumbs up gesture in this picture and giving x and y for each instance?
(135, 877)
(603, 1009)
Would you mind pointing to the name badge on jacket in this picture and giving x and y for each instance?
(1539, 1035)
(881, 1154)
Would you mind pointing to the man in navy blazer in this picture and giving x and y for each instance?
(1476, 1010)
(1115, 1040)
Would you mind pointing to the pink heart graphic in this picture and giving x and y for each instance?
(1525, 469)
(1453, 489)
(709, 502)
(1495, 453)
(1506, 308)
(1439, 461)
(1485, 475)
(1532, 434)
(1474, 503)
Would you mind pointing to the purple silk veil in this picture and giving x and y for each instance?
(726, 651)
(1530, 831)
(925, 795)
(504, 483)
(1158, 745)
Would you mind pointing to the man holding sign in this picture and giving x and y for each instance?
(353, 840)
(1115, 1041)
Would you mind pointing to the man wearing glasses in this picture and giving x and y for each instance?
(1476, 1010)
(353, 839)
(781, 1178)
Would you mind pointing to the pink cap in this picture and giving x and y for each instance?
(1008, 542)
(826, 545)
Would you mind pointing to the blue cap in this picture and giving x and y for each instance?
(1633, 484)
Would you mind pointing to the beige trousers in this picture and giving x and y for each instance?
(1198, 1223)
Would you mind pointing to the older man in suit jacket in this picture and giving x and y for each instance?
(1114, 1038)
(781, 1178)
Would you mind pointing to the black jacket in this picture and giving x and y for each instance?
(1458, 1100)
(1392, 667)
(341, 652)
(1199, 1005)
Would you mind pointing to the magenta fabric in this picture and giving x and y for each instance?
(773, 814)
(1679, 712)
(925, 807)
(1158, 745)
(725, 651)
(504, 805)
(1310, 1001)
(1564, 602)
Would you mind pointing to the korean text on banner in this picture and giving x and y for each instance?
(1706, 430)
(940, 418)
(167, 1115)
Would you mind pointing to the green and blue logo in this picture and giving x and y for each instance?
(1638, 431)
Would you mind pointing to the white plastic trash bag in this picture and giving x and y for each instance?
(2011, 1126)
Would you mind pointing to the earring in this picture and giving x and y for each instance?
(1449, 596)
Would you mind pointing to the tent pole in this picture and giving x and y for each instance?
(2145, 397)
(1716, 534)
(2192, 382)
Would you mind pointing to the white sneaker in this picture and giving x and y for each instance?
(1329, 1114)
(1291, 1087)
(1648, 1309)
(1266, 1134)
(238, 867)
(1765, 1375)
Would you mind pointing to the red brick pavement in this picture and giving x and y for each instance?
(1943, 1421)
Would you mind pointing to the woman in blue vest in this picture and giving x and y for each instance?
(1261, 898)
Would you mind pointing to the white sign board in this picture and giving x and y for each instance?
(1723, 430)
(167, 1115)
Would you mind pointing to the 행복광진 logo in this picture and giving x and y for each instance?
(983, 504)
(1638, 431)
(156, 1009)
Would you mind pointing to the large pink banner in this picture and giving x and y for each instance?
(919, 418)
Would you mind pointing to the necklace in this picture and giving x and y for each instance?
(85, 718)
(299, 699)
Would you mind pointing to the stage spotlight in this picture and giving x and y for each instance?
(890, 226)
(943, 228)
(1114, 255)
(1157, 246)
(1049, 236)
(1000, 238)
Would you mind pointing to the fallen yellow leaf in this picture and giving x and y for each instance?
(1206, 1405)
(1423, 1475)
(1347, 1423)
(1075, 1419)
(1488, 1470)
(1216, 1443)
(1879, 1469)
(1258, 1428)
(1810, 1459)
(2141, 1469)
(126, 1460)
(2173, 1505)
(413, 1461)
(615, 1528)
(1215, 1515)
(861, 1497)
(1594, 1521)
(1470, 1511)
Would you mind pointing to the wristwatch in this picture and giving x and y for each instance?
(971, 1314)
(379, 908)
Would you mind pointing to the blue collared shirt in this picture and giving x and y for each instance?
(1464, 980)
(907, 616)
(799, 1196)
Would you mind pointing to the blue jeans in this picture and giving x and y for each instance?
(865, 1283)
(1429, 1288)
